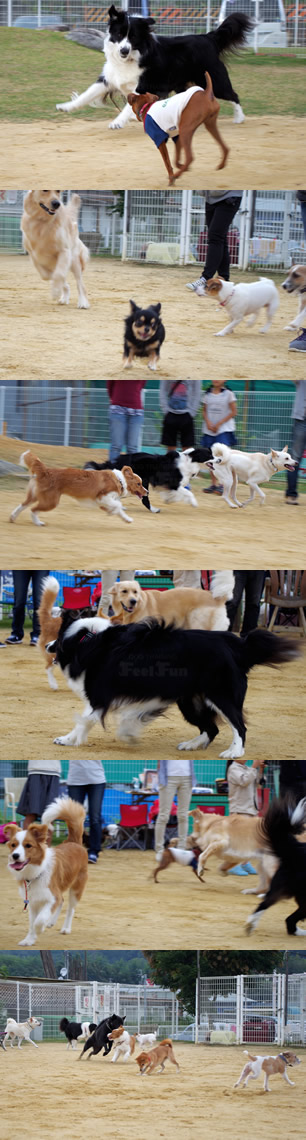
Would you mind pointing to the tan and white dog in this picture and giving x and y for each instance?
(20, 1029)
(267, 1065)
(43, 873)
(244, 300)
(296, 283)
(163, 1052)
(124, 1043)
(231, 466)
(48, 484)
(236, 839)
(183, 607)
(51, 237)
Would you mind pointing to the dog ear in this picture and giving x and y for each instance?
(127, 471)
(134, 307)
(157, 307)
(285, 448)
(10, 829)
(39, 831)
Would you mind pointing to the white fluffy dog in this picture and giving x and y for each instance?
(244, 300)
(230, 466)
(145, 1039)
(21, 1030)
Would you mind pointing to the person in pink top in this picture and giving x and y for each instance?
(126, 415)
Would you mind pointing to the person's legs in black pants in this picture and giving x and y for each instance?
(218, 219)
(253, 593)
(233, 605)
(95, 794)
(21, 581)
(38, 577)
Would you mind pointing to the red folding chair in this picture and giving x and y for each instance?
(218, 810)
(133, 826)
(76, 597)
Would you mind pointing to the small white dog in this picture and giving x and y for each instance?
(21, 1029)
(268, 1065)
(244, 300)
(296, 283)
(146, 1039)
(230, 466)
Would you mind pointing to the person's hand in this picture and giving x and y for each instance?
(258, 764)
(210, 427)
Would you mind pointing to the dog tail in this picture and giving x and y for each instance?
(27, 459)
(72, 813)
(208, 85)
(73, 209)
(232, 33)
(222, 587)
(263, 648)
(50, 590)
(281, 824)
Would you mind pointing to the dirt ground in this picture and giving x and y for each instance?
(264, 151)
(120, 901)
(74, 344)
(82, 1099)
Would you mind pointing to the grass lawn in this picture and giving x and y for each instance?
(48, 68)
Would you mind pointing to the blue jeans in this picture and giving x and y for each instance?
(227, 437)
(94, 793)
(298, 446)
(303, 213)
(125, 432)
(22, 579)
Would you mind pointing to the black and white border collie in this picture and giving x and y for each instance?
(76, 1030)
(167, 472)
(142, 669)
(138, 60)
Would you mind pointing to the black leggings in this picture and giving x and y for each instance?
(218, 219)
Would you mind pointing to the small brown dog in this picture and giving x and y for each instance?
(105, 488)
(51, 237)
(178, 117)
(163, 1052)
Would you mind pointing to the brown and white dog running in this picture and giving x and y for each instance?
(105, 488)
(183, 607)
(43, 873)
(296, 283)
(267, 1065)
(51, 237)
(21, 1030)
(124, 1043)
(163, 1052)
(202, 107)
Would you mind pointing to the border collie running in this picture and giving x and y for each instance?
(167, 473)
(282, 826)
(138, 60)
(142, 669)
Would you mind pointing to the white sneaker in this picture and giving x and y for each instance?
(197, 286)
(158, 855)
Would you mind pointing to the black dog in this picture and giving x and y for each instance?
(74, 1029)
(144, 334)
(167, 473)
(99, 1038)
(281, 824)
(138, 60)
(144, 668)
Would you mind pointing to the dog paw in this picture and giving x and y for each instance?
(84, 304)
(28, 941)
(115, 125)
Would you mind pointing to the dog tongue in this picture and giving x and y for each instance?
(19, 866)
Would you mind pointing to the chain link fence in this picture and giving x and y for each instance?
(168, 227)
(146, 1008)
(279, 24)
(251, 1008)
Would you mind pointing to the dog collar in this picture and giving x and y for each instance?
(43, 207)
(223, 303)
(283, 1058)
(275, 468)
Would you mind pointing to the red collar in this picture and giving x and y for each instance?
(223, 303)
(144, 108)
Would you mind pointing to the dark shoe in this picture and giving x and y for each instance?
(292, 500)
(212, 490)
(299, 344)
(92, 858)
(33, 640)
(13, 639)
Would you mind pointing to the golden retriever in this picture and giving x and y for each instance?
(182, 607)
(105, 488)
(51, 237)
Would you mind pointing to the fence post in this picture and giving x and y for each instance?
(2, 406)
(296, 23)
(9, 13)
(17, 1002)
(124, 233)
(246, 252)
(198, 1001)
(138, 1009)
(67, 416)
(30, 1000)
(256, 27)
(239, 1009)
(185, 238)
(39, 13)
(208, 17)
(94, 1000)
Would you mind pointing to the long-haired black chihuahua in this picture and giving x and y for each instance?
(143, 335)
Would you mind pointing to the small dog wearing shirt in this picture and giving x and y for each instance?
(178, 117)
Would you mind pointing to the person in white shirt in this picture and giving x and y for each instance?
(219, 410)
(175, 777)
(86, 777)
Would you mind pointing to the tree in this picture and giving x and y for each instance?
(48, 964)
(178, 968)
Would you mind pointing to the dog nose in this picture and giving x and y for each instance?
(133, 601)
(124, 52)
(55, 204)
(16, 856)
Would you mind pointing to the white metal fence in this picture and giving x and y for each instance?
(252, 1008)
(168, 227)
(146, 1007)
(278, 24)
(47, 413)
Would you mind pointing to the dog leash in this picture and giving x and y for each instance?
(26, 883)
